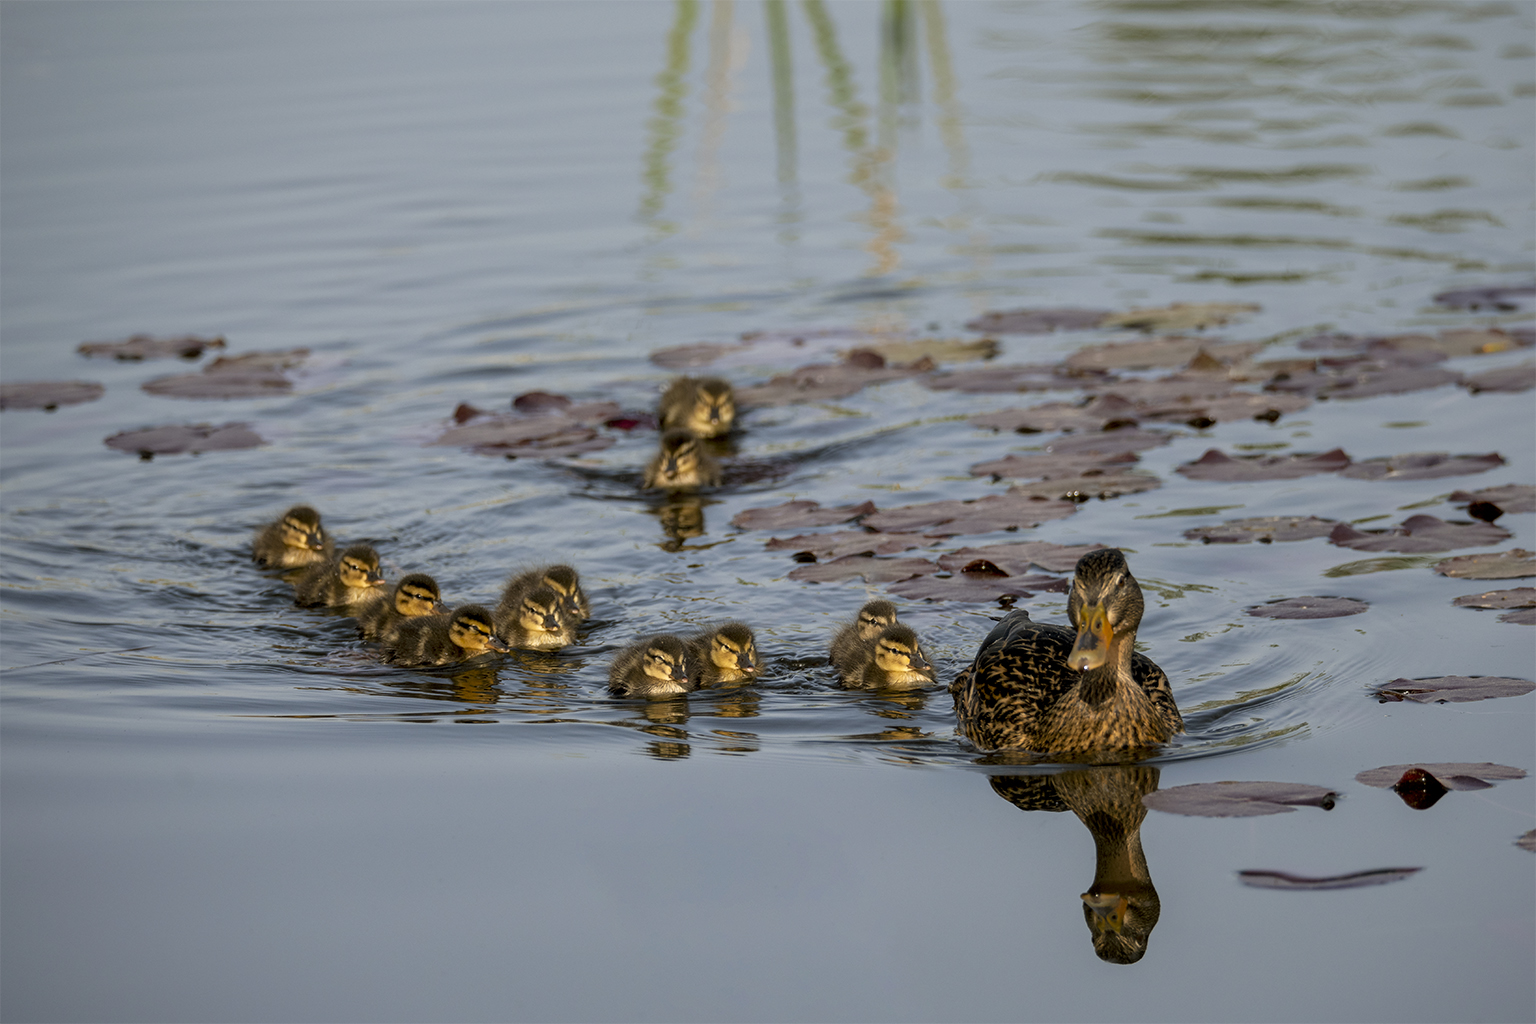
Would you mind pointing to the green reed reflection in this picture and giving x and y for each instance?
(666, 124)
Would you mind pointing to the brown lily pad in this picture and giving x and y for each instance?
(1264, 529)
(1422, 466)
(177, 438)
(1517, 597)
(1391, 381)
(1501, 565)
(939, 350)
(48, 395)
(540, 402)
(1527, 841)
(1453, 689)
(1309, 608)
(1239, 799)
(1180, 316)
(1203, 413)
(1102, 412)
(1038, 321)
(980, 587)
(1463, 341)
(799, 515)
(144, 346)
(1419, 533)
(1509, 498)
(1017, 559)
(996, 379)
(825, 382)
(871, 570)
(1105, 443)
(1355, 880)
(1051, 465)
(252, 375)
(1214, 465)
(1521, 377)
(849, 542)
(543, 437)
(1520, 617)
(1008, 511)
(1158, 352)
(1103, 485)
(1502, 299)
(1466, 775)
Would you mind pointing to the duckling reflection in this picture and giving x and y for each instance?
(414, 595)
(351, 581)
(682, 517)
(1121, 907)
(294, 540)
(681, 464)
(704, 405)
(562, 579)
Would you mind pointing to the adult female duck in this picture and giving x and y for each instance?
(1047, 688)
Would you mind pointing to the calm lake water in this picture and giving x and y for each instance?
(218, 806)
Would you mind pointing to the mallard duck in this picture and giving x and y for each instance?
(654, 667)
(294, 540)
(562, 579)
(704, 405)
(351, 581)
(892, 660)
(872, 618)
(724, 654)
(681, 464)
(535, 619)
(467, 633)
(1048, 688)
(415, 595)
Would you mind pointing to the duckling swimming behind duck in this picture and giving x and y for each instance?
(1035, 686)
(654, 667)
(415, 595)
(445, 639)
(892, 660)
(681, 464)
(562, 579)
(534, 619)
(349, 582)
(872, 618)
(294, 540)
(704, 405)
(724, 654)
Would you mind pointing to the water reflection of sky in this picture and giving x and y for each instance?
(241, 815)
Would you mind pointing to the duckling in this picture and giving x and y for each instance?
(562, 579)
(725, 654)
(1035, 686)
(872, 618)
(706, 406)
(350, 581)
(415, 595)
(892, 660)
(535, 619)
(294, 540)
(682, 464)
(654, 667)
(444, 639)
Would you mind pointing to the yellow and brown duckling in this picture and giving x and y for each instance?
(893, 660)
(535, 619)
(725, 654)
(704, 405)
(562, 579)
(681, 464)
(351, 581)
(415, 595)
(294, 540)
(467, 632)
(1035, 686)
(654, 667)
(872, 618)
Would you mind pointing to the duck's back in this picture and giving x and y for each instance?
(421, 640)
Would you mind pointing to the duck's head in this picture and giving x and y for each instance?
(417, 594)
(541, 611)
(897, 652)
(1121, 923)
(874, 617)
(473, 629)
(359, 567)
(714, 407)
(300, 528)
(666, 659)
(733, 648)
(1105, 606)
(562, 579)
(680, 456)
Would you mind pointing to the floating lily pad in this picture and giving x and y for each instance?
(143, 346)
(1102, 412)
(1453, 689)
(539, 402)
(1521, 377)
(1203, 413)
(1051, 465)
(1281, 880)
(978, 587)
(542, 437)
(1214, 465)
(48, 395)
(1463, 341)
(799, 515)
(688, 357)
(939, 350)
(1007, 511)
(1239, 799)
(1502, 565)
(1422, 466)
(1180, 316)
(824, 382)
(1391, 381)
(1264, 529)
(1103, 443)
(1509, 498)
(1309, 608)
(1495, 298)
(1158, 352)
(1518, 597)
(1103, 485)
(177, 438)
(1010, 377)
(1465, 775)
(871, 570)
(1527, 841)
(1038, 321)
(849, 542)
(1520, 617)
(1017, 559)
(1419, 533)
(252, 375)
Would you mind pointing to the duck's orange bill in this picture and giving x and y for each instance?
(1093, 637)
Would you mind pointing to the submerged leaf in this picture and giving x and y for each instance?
(1419, 533)
(1264, 529)
(1239, 799)
(1502, 565)
(48, 395)
(1281, 880)
(1008, 511)
(144, 346)
(1453, 689)
(1309, 608)
(177, 438)
(1214, 465)
(1422, 466)
(798, 515)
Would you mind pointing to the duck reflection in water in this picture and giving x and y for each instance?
(682, 518)
(1121, 907)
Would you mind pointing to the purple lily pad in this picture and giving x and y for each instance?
(1453, 689)
(1102, 412)
(1114, 442)
(1422, 466)
(1466, 775)
(1527, 841)
(1214, 465)
(1509, 498)
(1239, 799)
(1203, 413)
(849, 542)
(980, 587)
(1093, 485)
(542, 437)
(539, 402)
(1521, 377)
(871, 570)
(1419, 533)
(252, 375)
(177, 438)
(1037, 321)
(1007, 511)
(1009, 378)
(1355, 880)
(1158, 352)
(144, 346)
(48, 395)
(1494, 298)
(824, 382)
(1264, 529)
(799, 515)
(1309, 608)
(1016, 559)
(1051, 465)
(1500, 565)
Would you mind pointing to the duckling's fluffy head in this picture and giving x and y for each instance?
(416, 594)
(541, 610)
(472, 628)
(733, 647)
(897, 650)
(874, 617)
(665, 658)
(301, 528)
(359, 567)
